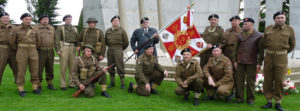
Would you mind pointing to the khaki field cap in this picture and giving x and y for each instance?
(91, 19)
(88, 46)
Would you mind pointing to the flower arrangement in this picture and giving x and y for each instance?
(288, 86)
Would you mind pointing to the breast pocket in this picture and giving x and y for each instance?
(284, 37)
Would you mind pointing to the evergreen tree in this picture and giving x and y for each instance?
(39, 7)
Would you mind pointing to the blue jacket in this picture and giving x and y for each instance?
(140, 36)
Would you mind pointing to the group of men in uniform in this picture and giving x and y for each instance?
(230, 57)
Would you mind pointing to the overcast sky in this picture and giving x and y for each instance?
(17, 7)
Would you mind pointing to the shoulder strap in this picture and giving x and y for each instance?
(98, 35)
(93, 59)
(81, 62)
(85, 30)
(27, 34)
(75, 29)
(63, 31)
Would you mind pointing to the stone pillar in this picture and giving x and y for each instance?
(141, 9)
(272, 6)
(160, 14)
(294, 21)
(122, 14)
(251, 9)
(93, 8)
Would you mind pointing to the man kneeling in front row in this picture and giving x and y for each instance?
(149, 73)
(189, 77)
(218, 72)
(85, 67)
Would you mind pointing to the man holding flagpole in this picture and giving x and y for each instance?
(213, 34)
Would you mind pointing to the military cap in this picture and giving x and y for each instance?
(185, 50)
(234, 17)
(278, 13)
(148, 46)
(91, 19)
(42, 16)
(248, 20)
(144, 19)
(67, 16)
(25, 15)
(117, 16)
(213, 16)
(88, 46)
(215, 46)
(4, 14)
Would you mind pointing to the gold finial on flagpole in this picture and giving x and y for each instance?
(193, 3)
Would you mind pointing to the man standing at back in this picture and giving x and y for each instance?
(46, 52)
(66, 38)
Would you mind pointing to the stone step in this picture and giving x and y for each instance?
(295, 69)
(294, 76)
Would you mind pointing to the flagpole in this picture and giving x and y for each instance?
(142, 46)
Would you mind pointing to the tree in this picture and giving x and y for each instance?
(80, 22)
(2, 5)
(40, 7)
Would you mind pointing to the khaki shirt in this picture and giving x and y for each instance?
(230, 35)
(19, 36)
(116, 38)
(47, 35)
(279, 38)
(5, 33)
(90, 37)
(215, 36)
(188, 72)
(71, 36)
(87, 63)
(220, 71)
(145, 66)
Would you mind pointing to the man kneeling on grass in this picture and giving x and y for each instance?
(218, 72)
(189, 77)
(149, 74)
(86, 67)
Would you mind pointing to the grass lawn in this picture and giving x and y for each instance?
(121, 100)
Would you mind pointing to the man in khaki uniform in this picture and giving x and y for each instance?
(117, 41)
(26, 40)
(84, 68)
(231, 37)
(95, 38)
(189, 77)
(213, 34)
(149, 73)
(66, 38)
(46, 52)
(218, 72)
(248, 56)
(8, 55)
(278, 41)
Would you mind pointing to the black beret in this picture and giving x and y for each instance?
(248, 20)
(185, 50)
(144, 19)
(234, 17)
(215, 46)
(4, 14)
(117, 16)
(213, 16)
(148, 46)
(42, 16)
(278, 13)
(67, 16)
(25, 15)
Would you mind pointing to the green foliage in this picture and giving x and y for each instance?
(2, 5)
(80, 22)
(40, 7)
